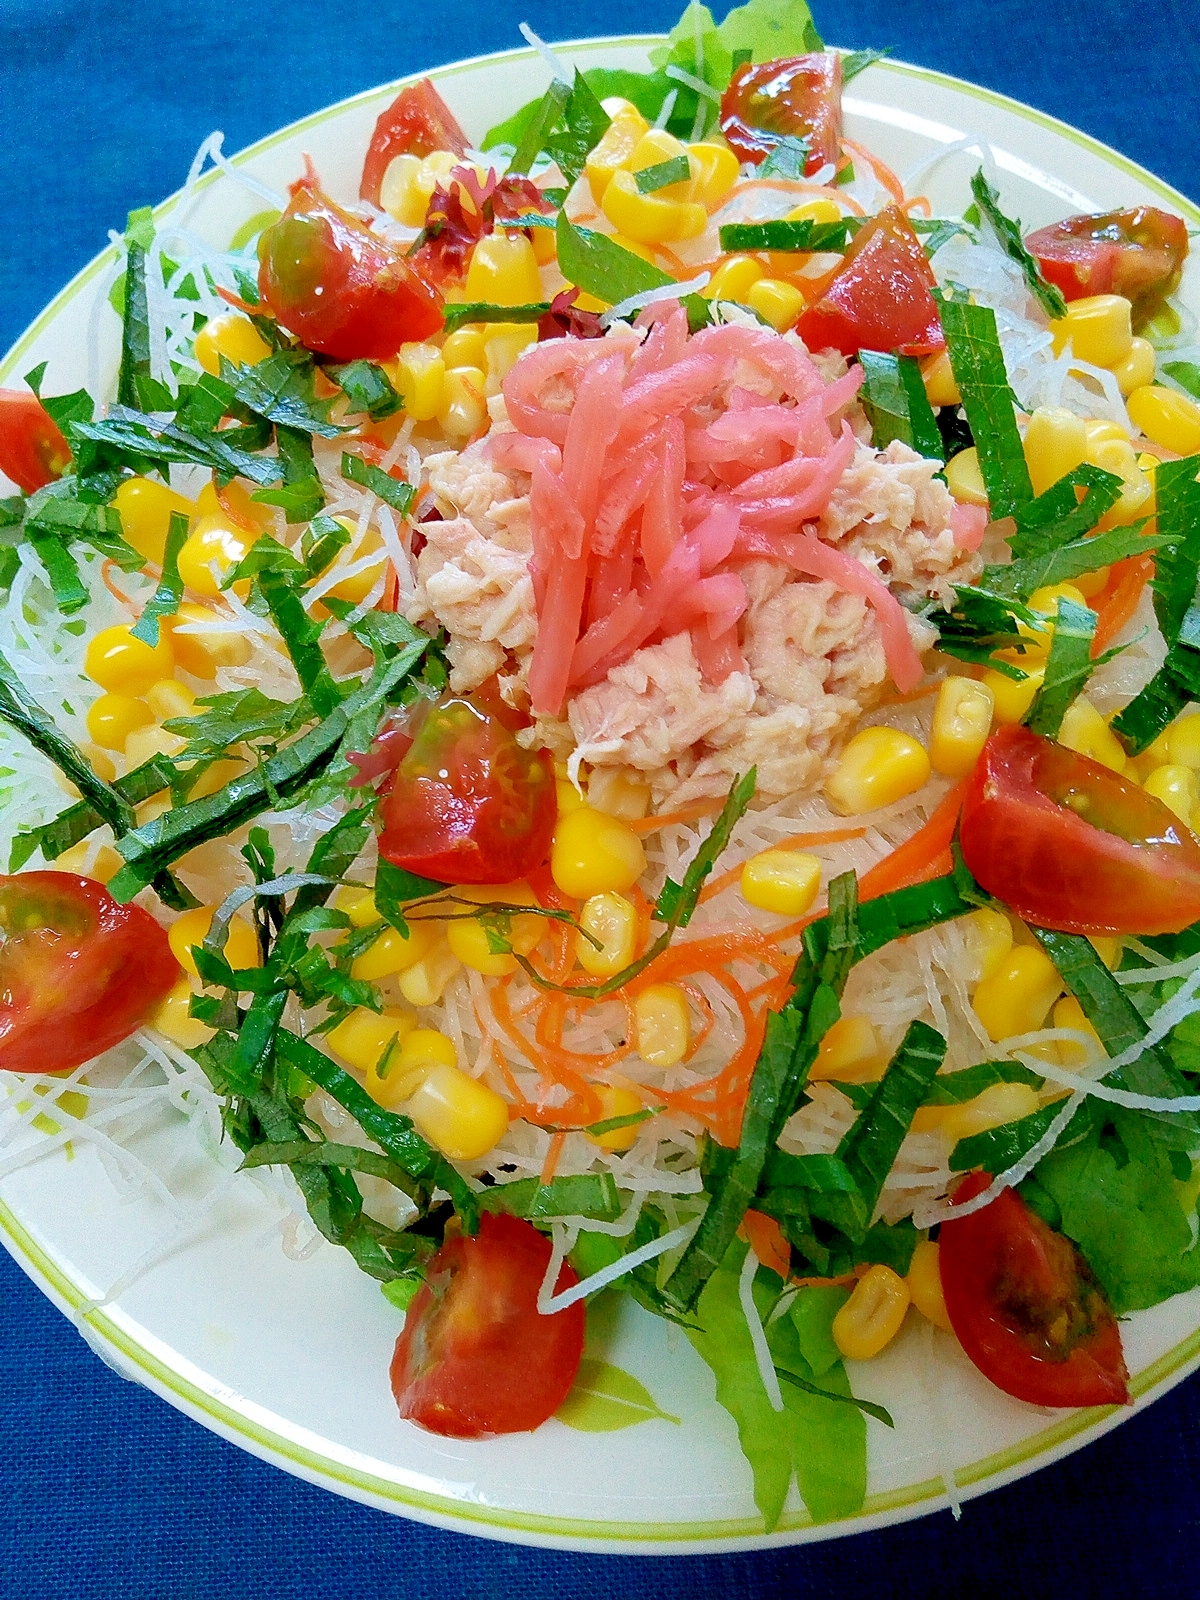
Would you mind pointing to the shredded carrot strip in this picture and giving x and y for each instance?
(106, 571)
(550, 1165)
(765, 1238)
(882, 171)
(921, 203)
(843, 1282)
(797, 841)
(1118, 601)
(688, 813)
(925, 855)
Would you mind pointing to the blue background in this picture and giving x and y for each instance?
(105, 1492)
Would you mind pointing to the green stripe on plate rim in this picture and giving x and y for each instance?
(1171, 1366)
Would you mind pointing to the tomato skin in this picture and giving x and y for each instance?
(475, 1356)
(468, 804)
(1136, 870)
(78, 971)
(417, 122)
(799, 96)
(33, 452)
(880, 297)
(339, 288)
(1011, 1283)
(1137, 253)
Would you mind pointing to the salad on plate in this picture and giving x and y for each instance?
(627, 698)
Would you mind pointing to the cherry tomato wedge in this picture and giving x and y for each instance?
(1070, 845)
(417, 123)
(1138, 253)
(33, 452)
(468, 804)
(1026, 1307)
(880, 297)
(476, 1356)
(800, 96)
(78, 972)
(338, 287)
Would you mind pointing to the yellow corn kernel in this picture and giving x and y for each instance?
(234, 501)
(1167, 417)
(1183, 742)
(1118, 457)
(113, 717)
(419, 375)
(362, 1037)
(1018, 994)
(145, 743)
(1098, 329)
(190, 928)
(1108, 947)
(964, 479)
(654, 147)
(734, 279)
(400, 193)
(174, 1021)
(962, 720)
(664, 1025)
(1090, 584)
(545, 245)
(1176, 787)
(359, 905)
(215, 777)
(714, 172)
(1068, 1013)
(424, 983)
(989, 938)
(924, 1282)
(612, 920)
(1137, 368)
(468, 938)
(1085, 731)
(650, 218)
(850, 1049)
(100, 761)
(1102, 430)
(941, 389)
(783, 881)
(872, 1316)
(618, 793)
(118, 661)
(357, 586)
(878, 767)
(398, 1071)
(618, 1103)
(233, 336)
(503, 272)
(392, 952)
(815, 211)
(213, 541)
(1012, 697)
(150, 810)
(504, 346)
(778, 302)
(461, 1116)
(593, 852)
(469, 942)
(169, 698)
(145, 508)
(615, 149)
(104, 864)
(463, 410)
(1056, 443)
(1003, 1102)
(211, 645)
(464, 348)
(569, 797)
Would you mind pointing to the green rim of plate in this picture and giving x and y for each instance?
(467, 1516)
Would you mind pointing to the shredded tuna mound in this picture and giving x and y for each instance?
(678, 553)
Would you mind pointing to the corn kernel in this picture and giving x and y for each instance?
(100, 761)
(190, 928)
(1117, 456)
(461, 1116)
(1167, 417)
(650, 218)
(100, 862)
(1103, 430)
(615, 149)
(1183, 742)
(1135, 369)
(618, 793)
(654, 147)
(1090, 584)
(850, 1049)
(1098, 329)
(941, 388)
(964, 478)
(612, 920)
(113, 717)
(503, 272)
(215, 777)
(1015, 998)
(617, 1103)
(872, 1316)
(1176, 787)
(545, 245)
(815, 211)
(419, 375)
(145, 743)
(1084, 730)
(962, 720)
(234, 503)
(504, 346)
(359, 905)
(211, 645)
(778, 302)
(878, 767)
(1056, 443)
(924, 1282)
(173, 1019)
(568, 796)
(463, 411)
(1012, 697)
(233, 336)
(734, 279)
(362, 1037)
(714, 172)
(169, 698)
(464, 348)
(1068, 1013)
(1003, 1102)
(664, 1025)
(424, 983)
(989, 938)
(400, 192)
(213, 540)
(593, 852)
(145, 508)
(468, 938)
(124, 664)
(1109, 947)
(392, 952)
(783, 881)
(150, 810)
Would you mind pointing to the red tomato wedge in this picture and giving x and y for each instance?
(476, 1356)
(880, 297)
(417, 123)
(1026, 1307)
(339, 288)
(33, 452)
(78, 972)
(1138, 253)
(1070, 845)
(468, 804)
(800, 96)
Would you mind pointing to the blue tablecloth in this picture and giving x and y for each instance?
(105, 1492)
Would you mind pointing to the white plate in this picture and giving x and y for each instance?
(289, 1359)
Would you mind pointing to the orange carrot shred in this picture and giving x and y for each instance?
(1118, 600)
(765, 1238)
(926, 855)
